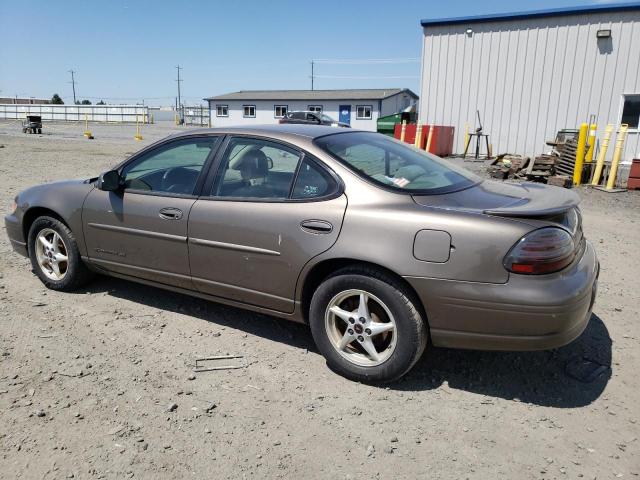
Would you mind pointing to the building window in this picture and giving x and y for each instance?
(222, 110)
(279, 111)
(631, 111)
(249, 111)
(315, 108)
(364, 112)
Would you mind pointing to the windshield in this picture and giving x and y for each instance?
(396, 165)
(326, 118)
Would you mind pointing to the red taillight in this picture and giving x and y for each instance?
(546, 250)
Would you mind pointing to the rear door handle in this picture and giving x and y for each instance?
(170, 213)
(316, 226)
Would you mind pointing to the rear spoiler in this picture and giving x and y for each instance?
(544, 201)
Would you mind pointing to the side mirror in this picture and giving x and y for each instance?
(109, 181)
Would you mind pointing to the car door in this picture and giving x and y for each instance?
(141, 229)
(270, 209)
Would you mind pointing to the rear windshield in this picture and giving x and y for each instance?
(396, 165)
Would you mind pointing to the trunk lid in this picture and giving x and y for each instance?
(523, 200)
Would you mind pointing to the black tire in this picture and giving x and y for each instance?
(77, 274)
(411, 327)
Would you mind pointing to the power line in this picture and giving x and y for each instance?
(368, 77)
(363, 61)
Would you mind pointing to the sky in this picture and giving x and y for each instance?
(127, 51)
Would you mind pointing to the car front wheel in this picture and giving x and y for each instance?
(54, 255)
(367, 325)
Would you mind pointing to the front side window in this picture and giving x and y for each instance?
(171, 168)
(363, 112)
(315, 108)
(249, 111)
(222, 110)
(280, 111)
(631, 111)
(255, 168)
(396, 165)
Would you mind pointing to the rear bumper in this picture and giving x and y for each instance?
(14, 232)
(526, 313)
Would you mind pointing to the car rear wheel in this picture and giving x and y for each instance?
(54, 255)
(367, 325)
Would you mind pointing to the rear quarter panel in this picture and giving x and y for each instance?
(380, 227)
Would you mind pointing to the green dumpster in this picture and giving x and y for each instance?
(387, 123)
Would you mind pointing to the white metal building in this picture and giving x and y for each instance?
(533, 73)
(360, 108)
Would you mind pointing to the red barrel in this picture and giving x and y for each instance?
(441, 138)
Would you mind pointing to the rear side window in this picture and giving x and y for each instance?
(313, 182)
(256, 168)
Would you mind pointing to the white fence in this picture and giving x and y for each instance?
(77, 113)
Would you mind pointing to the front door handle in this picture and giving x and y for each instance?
(316, 226)
(170, 213)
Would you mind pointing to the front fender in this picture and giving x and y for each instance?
(64, 199)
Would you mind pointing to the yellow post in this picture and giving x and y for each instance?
(592, 143)
(137, 135)
(466, 134)
(617, 154)
(490, 153)
(87, 133)
(582, 141)
(602, 154)
(418, 141)
(429, 138)
(403, 130)
(176, 120)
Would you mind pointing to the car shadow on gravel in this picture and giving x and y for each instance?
(571, 376)
(266, 326)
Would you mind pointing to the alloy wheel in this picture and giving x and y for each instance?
(52, 254)
(361, 327)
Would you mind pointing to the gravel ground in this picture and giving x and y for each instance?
(99, 384)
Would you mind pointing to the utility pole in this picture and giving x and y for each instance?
(311, 74)
(73, 84)
(178, 67)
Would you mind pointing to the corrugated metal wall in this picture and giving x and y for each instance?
(531, 77)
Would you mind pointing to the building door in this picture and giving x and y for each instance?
(345, 114)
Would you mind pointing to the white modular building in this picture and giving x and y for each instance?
(360, 108)
(530, 74)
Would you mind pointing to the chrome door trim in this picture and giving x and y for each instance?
(233, 246)
(140, 233)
